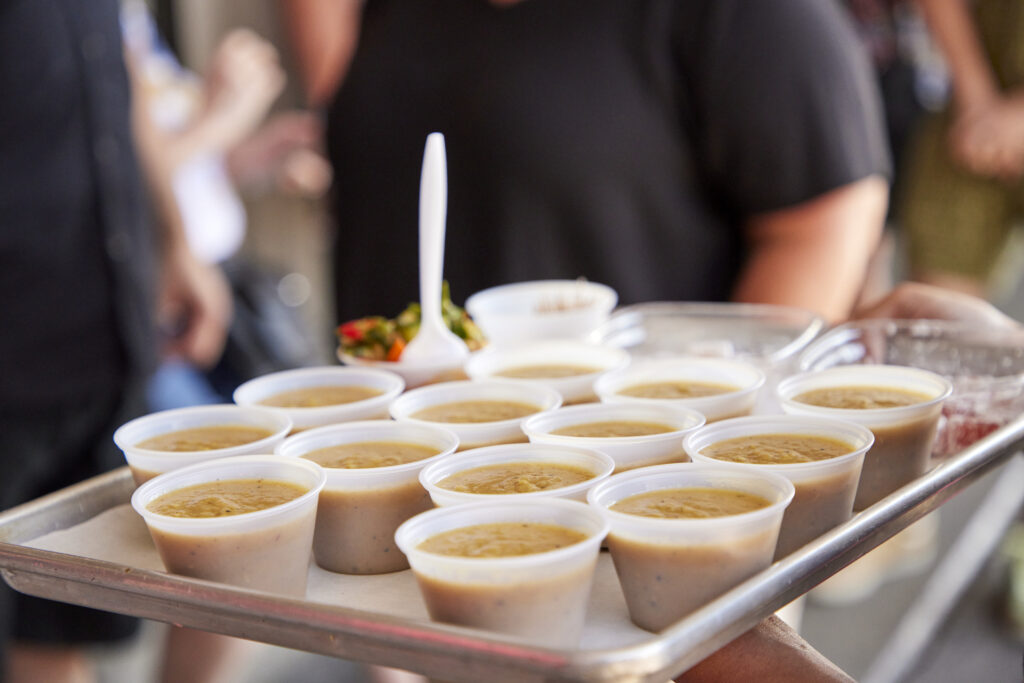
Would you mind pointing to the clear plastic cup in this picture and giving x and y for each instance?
(600, 360)
(266, 550)
(476, 434)
(628, 452)
(745, 377)
(600, 464)
(670, 567)
(146, 464)
(903, 435)
(825, 489)
(360, 509)
(541, 597)
(525, 312)
(388, 384)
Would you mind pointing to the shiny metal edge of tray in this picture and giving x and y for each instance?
(457, 654)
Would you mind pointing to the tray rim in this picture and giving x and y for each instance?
(457, 653)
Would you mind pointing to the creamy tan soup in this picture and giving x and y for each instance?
(861, 398)
(205, 438)
(677, 389)
(225, 498)
(777, 449)
(315, 397)
(547, 371)
(365, 454)
(515, 477)
(503, 539)
(614, 428)
(690, 503)
(476, 411)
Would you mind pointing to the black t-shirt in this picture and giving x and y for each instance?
(621, 140)
(73, 235)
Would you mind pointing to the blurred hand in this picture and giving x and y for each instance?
(989, 140)
(913, 300)
(194, 308)
(243, 79)
(285, 153)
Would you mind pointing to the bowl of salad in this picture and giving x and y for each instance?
(376, 341)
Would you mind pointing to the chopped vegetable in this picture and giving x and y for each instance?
(378, 338)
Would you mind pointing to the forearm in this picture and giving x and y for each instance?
(952, 27)
(323, 36)
(771, 652)
(814, 255)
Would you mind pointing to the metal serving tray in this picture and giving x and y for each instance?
(454, 653)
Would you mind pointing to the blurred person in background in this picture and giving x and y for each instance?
(213, 135)
(964, 190)
(218, 137)
(88, 280)
(675, 151)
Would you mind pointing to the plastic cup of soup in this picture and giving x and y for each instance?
(822, 457)
(314, 397)
(717, 388)
(669, 565)
(519, 567)
(481, 413)
(524, 471)
(525, 312)
(266, 548)
(901, 407)
(570, 368)
(160, 442)
(372, 486)
(633, 434)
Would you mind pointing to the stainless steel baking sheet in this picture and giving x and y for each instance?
(84, 545)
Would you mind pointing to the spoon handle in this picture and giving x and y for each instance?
(433, 208)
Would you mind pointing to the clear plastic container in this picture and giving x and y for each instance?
(390, 385)
(628, 452)
(825, 489)
(146, 464)
(595, 461)
(767, 335)
(746, 379)
(265, 550)
(670, 567)
(361, 508)
(903, 435)
(985, 367)
(540, 597)
(476, 434)
(525, 312)
(574, 389)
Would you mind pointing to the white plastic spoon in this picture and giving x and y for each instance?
(434, 342)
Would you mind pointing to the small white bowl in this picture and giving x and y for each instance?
(574, 389)
(747, 379)
(628, 452)
(476, 434)
(390, 385)
(543, 309)
(599, 463)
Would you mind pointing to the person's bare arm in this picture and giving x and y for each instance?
(771, 652)
(323, 36)
(987, 135)
(194, 299)
(952, 27)
(814, 255)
